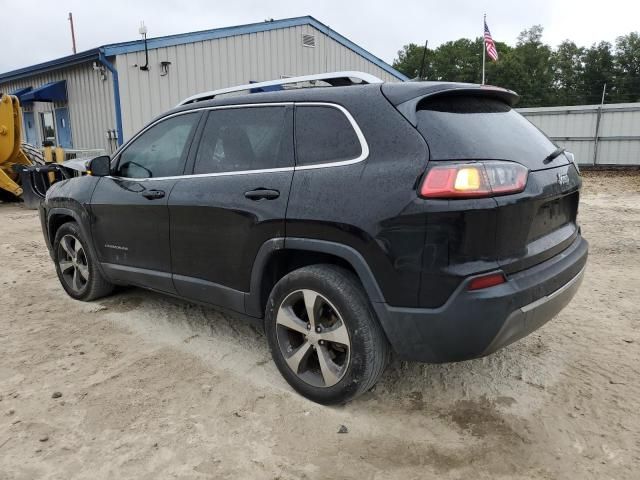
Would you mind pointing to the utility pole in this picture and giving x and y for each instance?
(73, 34)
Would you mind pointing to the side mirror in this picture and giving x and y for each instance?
(100, 166)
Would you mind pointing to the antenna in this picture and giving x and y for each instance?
(424, 57)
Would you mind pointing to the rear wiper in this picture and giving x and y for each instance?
(556, 153)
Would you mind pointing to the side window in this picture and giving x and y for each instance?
(324, 134)
(159, 151)
(251, 138)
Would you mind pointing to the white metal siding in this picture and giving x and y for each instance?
(211, 64)
(89, 99)
(575, 127)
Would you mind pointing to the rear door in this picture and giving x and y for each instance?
(130, 215)
(235, 200)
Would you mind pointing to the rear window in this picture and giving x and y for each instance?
(470, 127)
(323, 135)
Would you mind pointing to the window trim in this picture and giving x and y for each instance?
(361, 138)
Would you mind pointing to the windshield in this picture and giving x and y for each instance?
(466, 127)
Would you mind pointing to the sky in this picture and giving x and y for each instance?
(39, 30)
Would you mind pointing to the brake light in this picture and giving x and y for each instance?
(474, 180)
(486, 281)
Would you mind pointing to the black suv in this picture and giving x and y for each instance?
(425, 218)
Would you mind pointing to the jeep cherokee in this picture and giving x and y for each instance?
(425, 218)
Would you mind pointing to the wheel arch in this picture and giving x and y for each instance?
(58, 216)
(279, 256)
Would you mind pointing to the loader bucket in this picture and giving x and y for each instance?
(35, 181)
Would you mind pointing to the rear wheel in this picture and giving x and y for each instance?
(76, 267)
(323, 335)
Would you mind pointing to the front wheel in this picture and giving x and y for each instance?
(323, 334)
(76, 267)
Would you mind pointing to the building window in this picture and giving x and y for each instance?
(48, 127)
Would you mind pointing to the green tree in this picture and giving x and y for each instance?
(410, 59)
(458, 61)
(496, 73)
(568, 73)
(599, 68)
(528, 69)
(627, 66)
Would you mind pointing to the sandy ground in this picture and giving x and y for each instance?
(154, 387)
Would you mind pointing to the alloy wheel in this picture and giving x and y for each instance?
(313, 338)
(72, 260)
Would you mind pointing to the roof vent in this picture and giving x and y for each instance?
(308, 40)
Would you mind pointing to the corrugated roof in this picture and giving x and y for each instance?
(182, 38)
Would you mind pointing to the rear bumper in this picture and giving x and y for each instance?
(476, 323)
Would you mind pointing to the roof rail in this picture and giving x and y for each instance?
(333, 79)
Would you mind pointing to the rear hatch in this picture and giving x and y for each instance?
(512, 232)
(533, 225)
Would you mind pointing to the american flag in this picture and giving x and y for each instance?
(489, 44)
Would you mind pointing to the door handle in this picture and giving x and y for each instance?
(153, 194)
(262, 193)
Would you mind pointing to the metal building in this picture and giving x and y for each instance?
(98, 98)
(597, 135)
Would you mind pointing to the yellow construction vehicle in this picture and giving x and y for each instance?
(11, 153)
(23, 166)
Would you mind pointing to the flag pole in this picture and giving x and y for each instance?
(484, 49)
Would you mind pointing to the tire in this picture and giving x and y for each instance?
(33, 154)
(76, 266)
(348, 352)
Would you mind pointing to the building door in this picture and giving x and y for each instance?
(63, 126)
(48, 128)
(30, 135)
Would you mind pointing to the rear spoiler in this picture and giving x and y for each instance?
(406, 96)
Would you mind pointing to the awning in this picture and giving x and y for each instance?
(49, 92)
(21, 91)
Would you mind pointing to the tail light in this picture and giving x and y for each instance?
(474, 180)
(486, 281)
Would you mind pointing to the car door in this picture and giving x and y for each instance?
(235, 200)
(130, 217)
